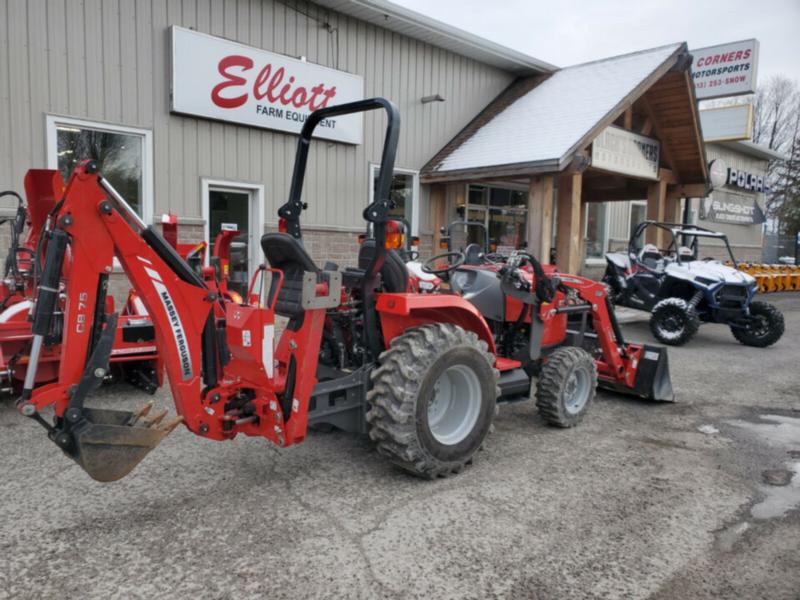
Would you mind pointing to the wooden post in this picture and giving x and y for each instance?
(438, 212)
(569, 237)
(672, 210)
(656, 210)
(540, 217)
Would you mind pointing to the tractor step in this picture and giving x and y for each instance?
(515, 385)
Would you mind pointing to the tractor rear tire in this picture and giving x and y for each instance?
(769, 329)
(566, 386)
(674, 321)
(433, 399)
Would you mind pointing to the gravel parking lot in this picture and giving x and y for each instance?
(641, 501)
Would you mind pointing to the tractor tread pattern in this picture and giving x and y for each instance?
(391, 402)
(551, 383)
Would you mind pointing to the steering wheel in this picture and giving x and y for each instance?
(431, 268)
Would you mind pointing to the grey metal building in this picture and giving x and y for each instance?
(92, 77)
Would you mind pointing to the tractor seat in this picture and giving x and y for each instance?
(394, 273)
(473, 254)
(286, 253)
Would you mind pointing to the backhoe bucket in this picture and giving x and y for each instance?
(108, 444)
(652, 381)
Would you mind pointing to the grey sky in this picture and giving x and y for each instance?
(566, 32)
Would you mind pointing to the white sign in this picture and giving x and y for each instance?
(727, 123)
(621, 151)
(220, 79)
(725, 70)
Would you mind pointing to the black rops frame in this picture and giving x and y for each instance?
(376, 213)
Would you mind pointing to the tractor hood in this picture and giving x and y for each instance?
(710, 270)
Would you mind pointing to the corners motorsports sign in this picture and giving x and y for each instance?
(620, 151)
(223, 80)
(725, 70)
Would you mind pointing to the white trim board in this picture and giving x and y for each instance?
(51, 149)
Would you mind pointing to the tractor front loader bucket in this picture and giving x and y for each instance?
(651, 380)
(652, 375)
(108, 444)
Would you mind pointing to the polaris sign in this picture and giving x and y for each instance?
(747, 181)
(223, 80)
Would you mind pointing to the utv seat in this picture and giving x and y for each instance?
(286, 253)
(651, 258)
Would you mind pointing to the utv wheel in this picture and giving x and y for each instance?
(433, 399)
(765, 328)
(674, 321)
(566, 386)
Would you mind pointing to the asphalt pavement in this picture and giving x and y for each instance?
(696, 499)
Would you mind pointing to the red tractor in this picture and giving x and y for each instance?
(421, 373)
(134, 355)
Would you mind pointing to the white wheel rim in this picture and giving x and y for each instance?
(576, 391)
(455, 405)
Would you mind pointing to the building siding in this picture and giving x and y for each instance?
(109, 61)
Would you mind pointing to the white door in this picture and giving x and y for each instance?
(232, 205)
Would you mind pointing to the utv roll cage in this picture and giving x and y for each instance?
(684, 230)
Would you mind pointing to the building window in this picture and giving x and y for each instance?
(504, 212)
(596, 235)
(404, 194)
(638, 215)
(124, 156)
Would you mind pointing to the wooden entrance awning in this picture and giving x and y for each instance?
(546, 124)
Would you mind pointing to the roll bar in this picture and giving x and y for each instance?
(467, 225)
(378, 211)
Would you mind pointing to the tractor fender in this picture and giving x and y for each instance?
(399, 312)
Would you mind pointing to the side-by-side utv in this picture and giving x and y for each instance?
(681, 290)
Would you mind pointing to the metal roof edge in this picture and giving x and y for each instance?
(384, 8)
(753, 149)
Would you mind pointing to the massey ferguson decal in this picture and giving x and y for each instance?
(220, 79)
(181, 343)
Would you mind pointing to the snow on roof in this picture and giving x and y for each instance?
(544, 124)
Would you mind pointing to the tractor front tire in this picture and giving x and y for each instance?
(674, 321)
(766, 328)
(566, 386)
(433, 399)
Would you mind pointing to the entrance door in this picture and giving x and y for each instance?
(232, 206)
